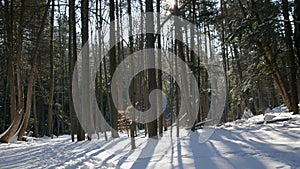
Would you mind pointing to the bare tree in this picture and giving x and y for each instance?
(150, 40)
(112, 59)
(50, 108)
(291, 58)
(33, 73)
(15, 117)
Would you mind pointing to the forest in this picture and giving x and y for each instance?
(209, 59)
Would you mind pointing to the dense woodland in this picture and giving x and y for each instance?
(257, 41)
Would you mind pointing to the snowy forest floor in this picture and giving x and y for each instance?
(239, 144)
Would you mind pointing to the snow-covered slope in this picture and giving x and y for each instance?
(240, 144)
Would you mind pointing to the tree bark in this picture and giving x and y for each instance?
(224, 46)
(33, 72)
(152, 130)
(35, 114)
(10, 55)
(85, 69)
(159, 72)
(297, 29)
(133, 98)
(112, 56)
(71, 67)
(15, 116)
(291, 58)
(51, 92)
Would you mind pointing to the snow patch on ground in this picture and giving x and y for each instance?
(239, 144)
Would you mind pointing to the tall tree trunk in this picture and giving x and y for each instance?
(270, 59)
(15, 116)
(10, 55)
(79, 130)
(51, 92)
(112, 40)
(151, 62)
(297, 29)
(61, 42)
(133, 124)
(33, 72)
(20, 105)
(71, 67)
(159, 72)
(291, 58)
(101, 92)
(106, 89)
(205, 77)
(119, 46)
(225, 113)
(281, 84)
(144, 85)
(297, 37)
(85, 69)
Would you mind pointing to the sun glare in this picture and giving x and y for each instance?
(170, 3)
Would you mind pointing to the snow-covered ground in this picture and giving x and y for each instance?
(239, 144)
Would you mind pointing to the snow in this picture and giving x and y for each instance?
(238, 144)
(2, 134)
(247, 114)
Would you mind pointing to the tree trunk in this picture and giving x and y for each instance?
(297, 30)
(112, 56)
(71, 67)
(270, 59)
(133, 124)
(273, 93)
(33, 72)
(77, 125)
(225, 113)
(85, 69)
(20, 65)
(152, 130)
(101, 92)
(15, 116)
(35, 115)
(10, 55)
(51, 92)
(282, 87)
(159, 72)
(106, 89)
(291, 58)
(260, 90)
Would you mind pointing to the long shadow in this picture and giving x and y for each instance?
(280, 132)
(230, 163)
(250, 151)
(123, 159)
(180, 164)
(172, 153)
(146, 155)
(30, 155)
(104, 147)
(270, 150)
(56, 155)
(73, 156)
(167, 149)
(238, 153)
(209, 155)
(105, 162)
(201, 153)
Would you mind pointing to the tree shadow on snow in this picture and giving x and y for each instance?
(227, 149)
(146, 155)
